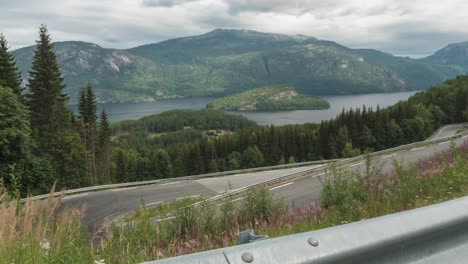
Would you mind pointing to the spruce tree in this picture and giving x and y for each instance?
(104, 135)
(87, 124)
(82, 104)
(46, 99)
(51, 121)
(9, 76)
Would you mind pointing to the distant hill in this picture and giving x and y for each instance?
(268, 98)
(454, 55)
(224, 62)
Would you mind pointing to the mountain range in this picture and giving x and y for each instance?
(227, 61)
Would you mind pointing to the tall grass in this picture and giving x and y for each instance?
(38, 232)
(189, 229)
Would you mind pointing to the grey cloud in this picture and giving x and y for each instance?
(296, 7)
(165, 3)
(418, 37)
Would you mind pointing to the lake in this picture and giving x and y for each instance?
(125, 111)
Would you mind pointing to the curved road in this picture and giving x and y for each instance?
(107, 205)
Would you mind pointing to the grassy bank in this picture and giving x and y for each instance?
(31, 234)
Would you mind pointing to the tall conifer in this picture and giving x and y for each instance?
(9, 76)
(51, 121)
(104, 134)
(46, 99)
(87, 111)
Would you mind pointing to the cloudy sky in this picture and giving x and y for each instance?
(403, 27)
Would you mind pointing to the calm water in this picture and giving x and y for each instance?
(124, 111)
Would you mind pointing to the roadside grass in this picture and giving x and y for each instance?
(41, 232)
(160, 210)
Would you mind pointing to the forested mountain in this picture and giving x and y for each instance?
(228, 61)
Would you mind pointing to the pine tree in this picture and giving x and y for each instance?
(87, 111)
(46, 98)
(90, 111)
(82, 103)
(9, 76)
(51, 124)
(104, 135)
(14, 129)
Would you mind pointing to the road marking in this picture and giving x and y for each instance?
(169, 183)
(281, 186)
(416, 149)
(357, 164)
(238, 199)
(442, 143)
(465, 136)
(153, 203)
(235, 200)
(389, 156)
(123, 189)
(187, 197)
(165, 219)
(313, 176)
(74, 196)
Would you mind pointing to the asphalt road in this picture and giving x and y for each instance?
(304, 192)
(108, 205)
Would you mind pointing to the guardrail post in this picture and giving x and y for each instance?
(249, 236)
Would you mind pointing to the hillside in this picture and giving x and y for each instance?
(268, 98)
(224, 62)
(455, 55)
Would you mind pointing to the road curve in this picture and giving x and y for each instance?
(107, 205)
(305, 191)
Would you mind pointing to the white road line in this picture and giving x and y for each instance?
(186, 197)
(389, 156)
(169, 183)
(164, 219)
(74, 196)
(281, 186)
(416, 149)
(443, 143)
(238, 199)
(357, 164)
(235, 200)
(465, 136)
(319, 174)
(123, 189)
(441, 131)
(153, 203)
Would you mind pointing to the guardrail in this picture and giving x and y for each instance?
(227, 173)
(320, 169)
(183, 178)
(433, 234)
(444, 127)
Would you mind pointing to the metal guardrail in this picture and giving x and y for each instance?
(445, 127)
(226, 173)
(183, 178)
(433, 234)
(320, 169)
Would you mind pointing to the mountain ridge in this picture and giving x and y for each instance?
(227, 61)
